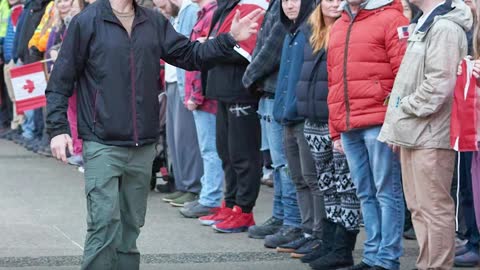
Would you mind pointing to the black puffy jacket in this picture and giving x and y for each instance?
(118, 76)
(312, 87)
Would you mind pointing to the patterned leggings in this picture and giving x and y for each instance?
(341, 203)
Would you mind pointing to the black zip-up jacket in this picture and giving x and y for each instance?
(33, 13)
(312, 87)
(224, 78)
(117, 76)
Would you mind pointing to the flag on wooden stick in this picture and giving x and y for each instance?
(29, 84)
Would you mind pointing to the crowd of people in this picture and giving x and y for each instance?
(346, 105)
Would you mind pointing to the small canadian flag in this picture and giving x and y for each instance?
(29, 83)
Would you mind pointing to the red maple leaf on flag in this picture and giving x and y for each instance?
(29, 86)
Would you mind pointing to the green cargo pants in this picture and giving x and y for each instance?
(117, 182)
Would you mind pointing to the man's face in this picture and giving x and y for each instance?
(172, 8)
(161, 4)
(291, 8)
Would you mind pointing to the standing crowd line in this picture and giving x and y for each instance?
(348, 106)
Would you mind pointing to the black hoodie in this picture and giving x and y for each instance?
(306, 8)
(223, 81)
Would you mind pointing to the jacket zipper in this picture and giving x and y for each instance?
(345, 82)
(134, 95)
(95, 111)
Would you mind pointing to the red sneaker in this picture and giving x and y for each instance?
(237, 222)
(218, 215)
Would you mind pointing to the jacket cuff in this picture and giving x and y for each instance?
(228, 40)
(247, 80)
(53, 133)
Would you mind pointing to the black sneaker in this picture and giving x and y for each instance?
(295, 244)
(309, 252)
(269, 227)
(410, 234)
(361, 266)
(285, 235)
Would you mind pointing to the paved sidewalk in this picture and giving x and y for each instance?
(42, 225)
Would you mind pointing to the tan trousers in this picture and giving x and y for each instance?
(427, 177)
(17, 118)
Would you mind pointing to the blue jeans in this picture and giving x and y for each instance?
(375, 171)
(212, 179)
(28, 125)
(285, 204)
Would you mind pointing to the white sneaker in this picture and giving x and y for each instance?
(81, 169)
(267, 174)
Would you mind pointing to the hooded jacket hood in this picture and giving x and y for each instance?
(306, 8)
(370, 5)
(453, 10)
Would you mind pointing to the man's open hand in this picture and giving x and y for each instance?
(243, 28)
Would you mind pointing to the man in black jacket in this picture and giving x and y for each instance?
(111, 55)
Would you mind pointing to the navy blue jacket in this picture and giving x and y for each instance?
(312, 86)
(285, 105)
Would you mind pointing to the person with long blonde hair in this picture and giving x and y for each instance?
(340, 226)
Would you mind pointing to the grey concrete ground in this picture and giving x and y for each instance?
(42, 225)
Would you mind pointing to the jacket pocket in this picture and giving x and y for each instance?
(379, 93)
(90, 184)
(94, 117)
(410, 130)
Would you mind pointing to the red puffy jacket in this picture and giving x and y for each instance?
(363, 59)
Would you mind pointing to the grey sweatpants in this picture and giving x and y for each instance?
(183, 149)
(304, 176)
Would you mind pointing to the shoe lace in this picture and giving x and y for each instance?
(270, 221)
(224, 212)
(299, 240)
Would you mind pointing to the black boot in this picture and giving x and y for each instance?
(328, 238)
(341, 254)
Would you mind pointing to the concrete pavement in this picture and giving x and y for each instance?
(42, 225)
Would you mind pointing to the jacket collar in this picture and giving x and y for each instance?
(207, 8)
(369, 8)
(421, 33)
(107, 13)
(438, 11)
